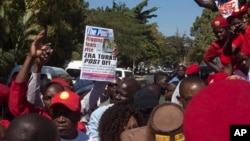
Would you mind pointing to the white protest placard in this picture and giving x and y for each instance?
(98, 63)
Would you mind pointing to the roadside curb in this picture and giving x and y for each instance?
(140, 78)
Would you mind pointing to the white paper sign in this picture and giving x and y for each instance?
(98, 63)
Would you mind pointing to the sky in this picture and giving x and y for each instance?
(173, 15)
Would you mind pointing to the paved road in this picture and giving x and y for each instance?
(145, 79)
(148, 79)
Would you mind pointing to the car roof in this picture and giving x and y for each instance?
(76, 64)
(44, 69)
(121, 69)
(54, 71)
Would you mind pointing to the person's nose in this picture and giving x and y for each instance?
(244, 18)
(219, 34)
(61, 119)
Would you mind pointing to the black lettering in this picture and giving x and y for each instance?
(92, 61)
(89, 55)
(106, 62)
(106, 57)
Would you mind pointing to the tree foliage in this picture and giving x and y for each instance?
(203, 34)
(137, 40)
(182, 45)
(141, 15)
(21, 20)
(18, 26)
(65, 21)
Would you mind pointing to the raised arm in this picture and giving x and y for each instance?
(36, 50)
(210, 4)
(210, 54)
(34, 88)
(213, 65)
(18, 103)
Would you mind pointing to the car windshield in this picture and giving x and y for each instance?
(128, 74)
(118, 73)
(74, 72)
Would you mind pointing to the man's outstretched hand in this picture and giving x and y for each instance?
(37, 49)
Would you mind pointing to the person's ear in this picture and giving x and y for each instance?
(158, 81)
(179, 98)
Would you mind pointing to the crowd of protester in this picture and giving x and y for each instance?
(124, 110)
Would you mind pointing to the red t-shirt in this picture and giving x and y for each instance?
(238, 40)
(214, 50)
(18, 104)
(225, 60)
(245, 49)
(242, 41)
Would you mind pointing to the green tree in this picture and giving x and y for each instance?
(18, 27)
(141, 15)
(20, 21)
(152, 50)
(131, 35)
(182, 45)
(203, 34)
(65, 23)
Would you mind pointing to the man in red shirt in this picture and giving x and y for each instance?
(18, 104)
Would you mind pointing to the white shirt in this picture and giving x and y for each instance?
(175, 94)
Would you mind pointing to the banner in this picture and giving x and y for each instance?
(98, 63)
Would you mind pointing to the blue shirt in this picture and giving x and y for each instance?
(174, 79)
(92, 126)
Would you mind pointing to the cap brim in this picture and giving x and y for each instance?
(57, 103)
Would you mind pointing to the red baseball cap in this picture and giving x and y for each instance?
(60, 81)
(5, 123)
(191, 69)
(67, 98)
(219, 22)
(210, 113)
(216, 77)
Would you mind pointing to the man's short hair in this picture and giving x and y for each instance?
(158, 76)
(31, 127)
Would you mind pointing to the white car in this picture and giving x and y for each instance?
(122, 73)
(74, 68)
